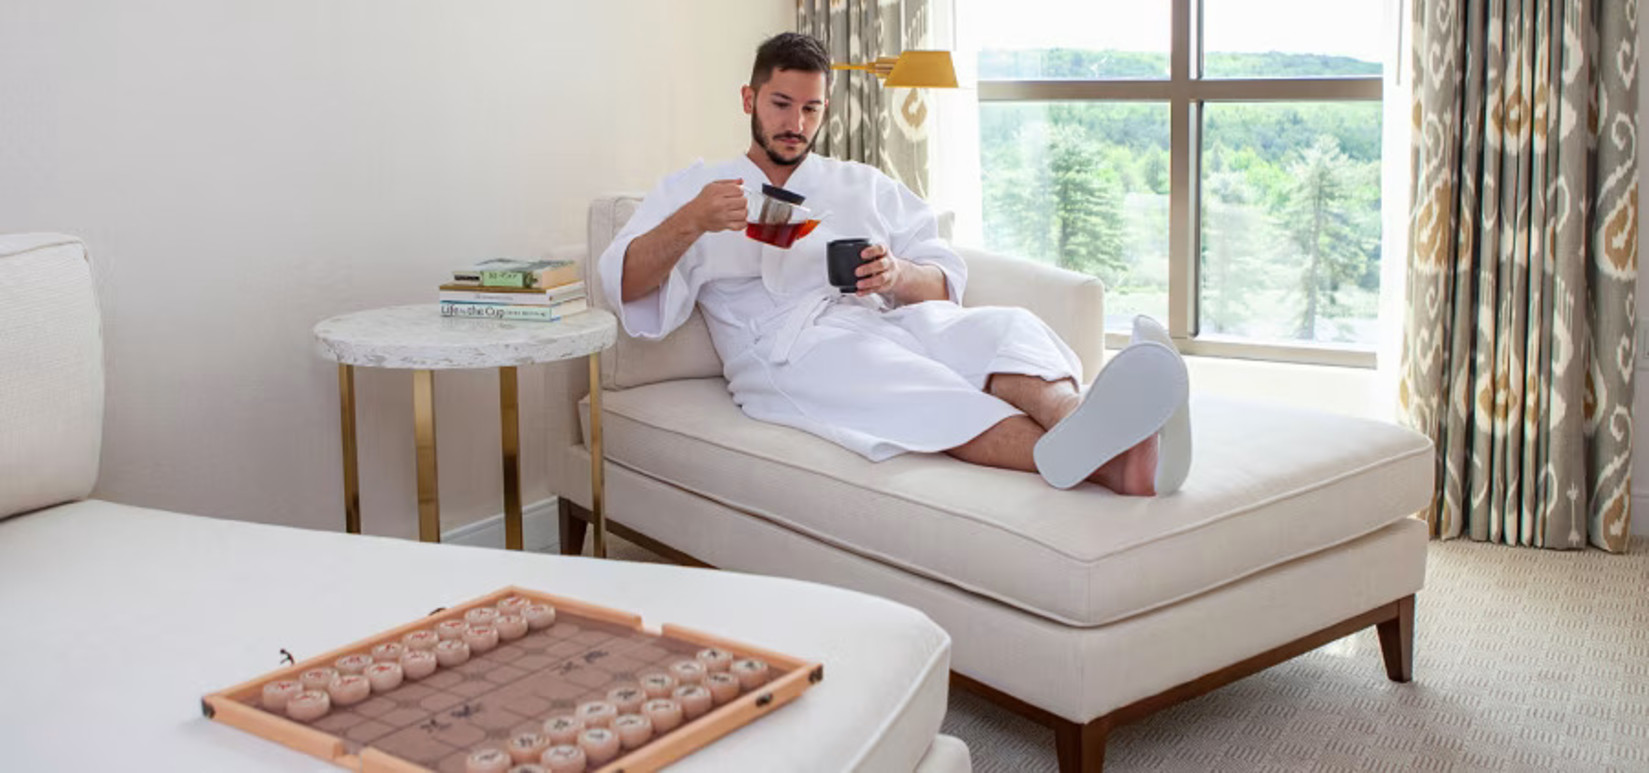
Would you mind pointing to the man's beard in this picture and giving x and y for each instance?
(759, 134)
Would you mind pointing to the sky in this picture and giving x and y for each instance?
(1354, 28)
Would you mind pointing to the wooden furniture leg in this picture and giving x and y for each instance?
(1397, 641)
(574, 524)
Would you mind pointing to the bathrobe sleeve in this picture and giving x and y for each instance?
(656, 314)
(913, 233)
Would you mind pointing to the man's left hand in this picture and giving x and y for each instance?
(879, 273)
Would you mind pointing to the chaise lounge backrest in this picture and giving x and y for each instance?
(51, 373)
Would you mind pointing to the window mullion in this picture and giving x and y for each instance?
(1182, 215)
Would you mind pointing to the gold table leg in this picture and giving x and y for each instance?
(510, 430)
(597, 505)
(423, 417)
(352, 475)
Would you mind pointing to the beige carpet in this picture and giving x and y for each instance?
(1525, 660)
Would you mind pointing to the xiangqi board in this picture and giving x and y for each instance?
(516, 677)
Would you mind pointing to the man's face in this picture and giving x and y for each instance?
(785, 114)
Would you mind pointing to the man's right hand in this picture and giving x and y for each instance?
(719, 207)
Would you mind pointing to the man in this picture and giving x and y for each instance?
(899, 365)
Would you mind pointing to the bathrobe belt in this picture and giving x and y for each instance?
(803, 314)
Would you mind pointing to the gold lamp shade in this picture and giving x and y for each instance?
(911, 70)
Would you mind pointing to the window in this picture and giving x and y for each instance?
(1215, 162)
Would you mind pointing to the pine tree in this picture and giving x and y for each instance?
(1087, 198)
(1320, 216)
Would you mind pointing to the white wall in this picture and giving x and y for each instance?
(243, 170)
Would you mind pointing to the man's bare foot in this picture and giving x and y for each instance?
(1132, 473)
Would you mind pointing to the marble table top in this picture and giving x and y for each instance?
(419, 338)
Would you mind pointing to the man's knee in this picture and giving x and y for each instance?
(1007, 322)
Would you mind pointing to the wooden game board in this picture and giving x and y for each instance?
(436, 722)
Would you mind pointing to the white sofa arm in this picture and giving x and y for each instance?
(1072, 304)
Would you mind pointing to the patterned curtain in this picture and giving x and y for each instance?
(886, 128)
(1518, 351)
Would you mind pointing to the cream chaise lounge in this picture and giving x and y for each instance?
(117, 619)
(1078, 608)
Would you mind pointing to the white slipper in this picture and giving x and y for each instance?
(1136, 391)
(1174, 442)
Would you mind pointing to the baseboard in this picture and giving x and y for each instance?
(540, 531)
(1640, 515)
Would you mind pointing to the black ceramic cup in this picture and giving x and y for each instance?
(842, 259)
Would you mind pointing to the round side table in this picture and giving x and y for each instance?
(419, 339)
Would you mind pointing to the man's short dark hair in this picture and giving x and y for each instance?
(788, 51)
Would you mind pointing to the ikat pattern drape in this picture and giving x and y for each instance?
(1518, 339)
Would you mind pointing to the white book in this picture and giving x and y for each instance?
(510, 299)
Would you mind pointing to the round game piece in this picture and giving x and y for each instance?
(658, 685)
(566, 758)
(481, 638)
(487, 761)
(349, 690)
(600, 745)
(695, 699)
(751, 672)
(481, 616)
(597, 714)
(318, 678)
(278, 692)
(539, 616)
(666, 714)
(687, 671)
(715, 660)
(451, 629)
(389, 651)
(309, 705)
(452, 652)
(384, 676)
(527, 747)
(417, 664)
(564, 729)
(634, 730)
(422, 639)
(527, 767)
(510, 627)
(723, 687)
(627, 699)
(353, 664)
(512, 605)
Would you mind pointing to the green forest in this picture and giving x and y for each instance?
(1290, 193)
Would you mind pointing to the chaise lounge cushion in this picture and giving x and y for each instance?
(1270, 484)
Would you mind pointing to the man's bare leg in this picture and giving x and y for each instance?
(1009, 444)
(1046, 402)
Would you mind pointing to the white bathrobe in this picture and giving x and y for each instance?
(796, 351)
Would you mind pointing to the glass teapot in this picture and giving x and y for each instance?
(776, 216)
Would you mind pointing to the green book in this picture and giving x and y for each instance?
(499, 272)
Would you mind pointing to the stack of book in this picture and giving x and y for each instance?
(539, 291)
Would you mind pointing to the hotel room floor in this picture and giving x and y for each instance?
(1524, 660)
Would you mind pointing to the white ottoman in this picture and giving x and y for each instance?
(121, 618)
